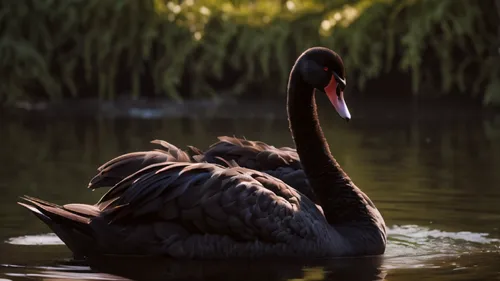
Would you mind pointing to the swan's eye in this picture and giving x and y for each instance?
(325, 68)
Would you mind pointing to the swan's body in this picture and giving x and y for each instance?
(161, 203)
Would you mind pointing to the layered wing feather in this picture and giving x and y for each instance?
(120, 167)
(282, 163)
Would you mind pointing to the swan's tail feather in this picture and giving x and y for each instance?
(72, 228)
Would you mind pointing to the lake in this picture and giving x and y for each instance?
(433, 173)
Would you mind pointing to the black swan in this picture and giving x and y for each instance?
(176, 208)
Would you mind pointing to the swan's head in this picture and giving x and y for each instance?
(323, 69)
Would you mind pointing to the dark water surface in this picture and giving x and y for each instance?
(435, 176)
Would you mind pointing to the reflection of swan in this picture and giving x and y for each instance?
(202, 210)
(150, 269)
(360, 269)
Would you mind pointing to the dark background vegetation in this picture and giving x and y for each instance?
(73, 49)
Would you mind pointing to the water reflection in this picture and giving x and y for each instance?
(362, 269)
(434, 179)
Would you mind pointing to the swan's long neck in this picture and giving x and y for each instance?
(341, 200)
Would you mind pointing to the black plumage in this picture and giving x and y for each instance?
(238, 199)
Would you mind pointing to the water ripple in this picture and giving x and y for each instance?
(422, 235)
(34, 240)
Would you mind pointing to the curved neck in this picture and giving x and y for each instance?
(341, 200)
(309, 139)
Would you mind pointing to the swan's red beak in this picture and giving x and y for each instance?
(337, 99)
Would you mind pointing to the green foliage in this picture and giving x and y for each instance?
(452, 44)
(52, 49)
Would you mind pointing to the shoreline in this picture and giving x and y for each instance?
(364, 107)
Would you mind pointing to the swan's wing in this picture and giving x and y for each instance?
(282, 163)
(255, 155)
(122, 166)
(207, 199)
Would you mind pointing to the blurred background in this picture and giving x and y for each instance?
(53, 50)
(84, 81)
